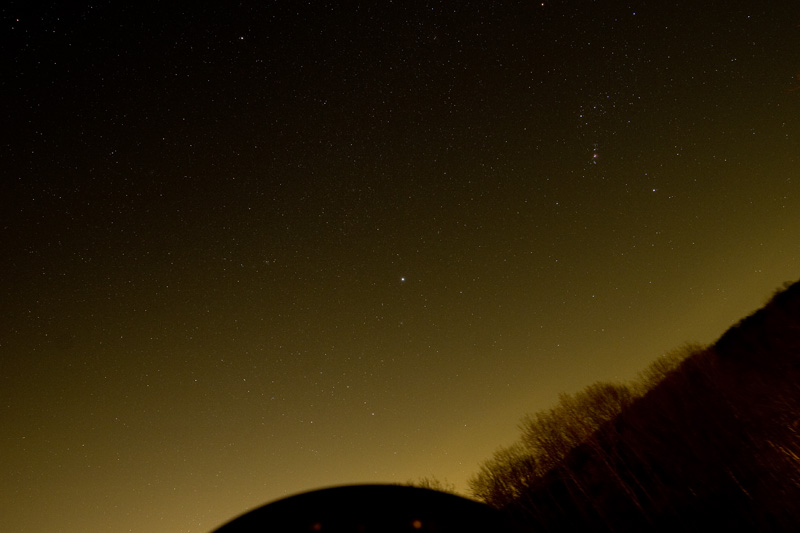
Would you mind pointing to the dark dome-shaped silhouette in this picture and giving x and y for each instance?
(370, 508)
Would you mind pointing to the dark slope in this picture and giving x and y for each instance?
(714, 445)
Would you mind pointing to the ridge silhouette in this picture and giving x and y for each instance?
(713, 444)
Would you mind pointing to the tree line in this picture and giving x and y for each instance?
(708, 437)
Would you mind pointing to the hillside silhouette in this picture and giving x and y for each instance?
(708, 440)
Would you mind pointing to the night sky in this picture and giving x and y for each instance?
(250, 251)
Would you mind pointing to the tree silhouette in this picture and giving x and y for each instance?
(433, 483)
(547, 437)
(708, 438)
